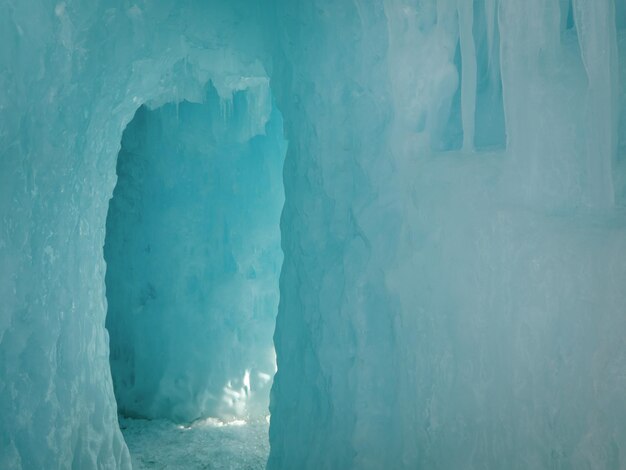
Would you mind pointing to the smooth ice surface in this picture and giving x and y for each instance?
(454, 230)
(193, 258)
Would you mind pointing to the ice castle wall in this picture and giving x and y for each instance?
(466, 307)
(72, 75)
(193, 258)
(450, 298)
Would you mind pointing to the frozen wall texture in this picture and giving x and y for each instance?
(72, 75)
(193, 258)
(454, 230)
(466, 304)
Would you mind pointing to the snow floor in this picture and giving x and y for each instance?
(208, 444)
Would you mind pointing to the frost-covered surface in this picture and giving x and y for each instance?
(206, 445)
(193, 258)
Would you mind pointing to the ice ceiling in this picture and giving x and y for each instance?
(454, 223)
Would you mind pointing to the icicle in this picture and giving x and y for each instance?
(177, 101)
(226, 107)
(595, 24)
(468, 85)
(564, 7)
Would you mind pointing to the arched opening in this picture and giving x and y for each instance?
(193, 259)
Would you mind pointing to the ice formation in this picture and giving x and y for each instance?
(454, 229)
(193, 258)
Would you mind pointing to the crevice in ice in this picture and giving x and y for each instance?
(193, 258)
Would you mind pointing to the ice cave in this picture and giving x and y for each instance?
(313, 234)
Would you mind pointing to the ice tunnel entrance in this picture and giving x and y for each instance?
(193, 259)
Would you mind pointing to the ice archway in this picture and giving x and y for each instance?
(193, 258)
(67, 388)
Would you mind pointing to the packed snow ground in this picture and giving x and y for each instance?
(210, 444)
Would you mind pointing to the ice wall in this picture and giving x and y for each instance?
(452, 293)
(465, 306)
(335, 386)
(193, 258)
(72, 75)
